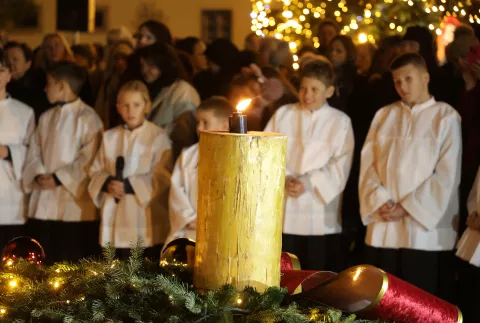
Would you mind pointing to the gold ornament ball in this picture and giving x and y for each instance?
(179, 253)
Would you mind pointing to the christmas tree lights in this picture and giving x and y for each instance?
(296, 21)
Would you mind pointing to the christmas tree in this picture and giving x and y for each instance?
(296, 21)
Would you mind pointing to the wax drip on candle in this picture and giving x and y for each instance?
(238, 121)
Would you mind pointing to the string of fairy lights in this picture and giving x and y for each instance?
(294, 21)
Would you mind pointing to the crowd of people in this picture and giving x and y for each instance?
(99, 145)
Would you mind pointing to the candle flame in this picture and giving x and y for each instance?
(242, 105)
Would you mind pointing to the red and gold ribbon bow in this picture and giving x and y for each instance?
(368, 292)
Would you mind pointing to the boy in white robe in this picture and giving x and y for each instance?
(319, 156)
(63, 217)
(130, 196)
(468, 250)
(212, 115)
(17, 123)
(409, 179)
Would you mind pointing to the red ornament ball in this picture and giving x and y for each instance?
(24, 248)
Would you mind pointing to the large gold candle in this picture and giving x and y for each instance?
(241, 180)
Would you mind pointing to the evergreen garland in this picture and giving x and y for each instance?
(138, 291)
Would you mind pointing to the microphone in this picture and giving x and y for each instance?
(119, 166)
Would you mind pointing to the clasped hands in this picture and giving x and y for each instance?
(116, 189)
(473, 221)
(44, 182)
(392, 212)
(293, 187)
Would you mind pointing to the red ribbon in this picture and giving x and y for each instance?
(390, 298)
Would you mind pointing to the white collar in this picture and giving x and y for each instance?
(421, 106)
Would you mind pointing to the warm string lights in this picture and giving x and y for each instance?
(295, 21)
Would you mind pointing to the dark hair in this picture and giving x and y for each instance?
(85, 51)
(159, 30)
(187, 45)
(27, 52)
(321, 69)
(3, 59)
(409, 59)
(350, 48)
(69, 72)
(247, 58)
(187, 64)
(100, 52)
(220, 106)
(224, 53)
(166, 59)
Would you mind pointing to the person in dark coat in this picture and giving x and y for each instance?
(25, 85)
(223, 59)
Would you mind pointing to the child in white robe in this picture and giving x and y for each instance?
(211, 115)
(319, 156)
(17, 124)
(409, 180)
(131, 201)
(62, 215)
(468, 250)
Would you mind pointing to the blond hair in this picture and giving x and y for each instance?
(139, 87)
(42, 60)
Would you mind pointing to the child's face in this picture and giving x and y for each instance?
(314, 93)
(5, 76)
(208, 121)
(411, 83)
(17, 62)
(338, 53)
(133, 108)
(54, 90)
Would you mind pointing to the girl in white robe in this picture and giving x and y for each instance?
(133, 203)
(319, 156)
(468, 250)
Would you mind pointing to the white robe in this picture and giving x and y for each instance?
(319, 153)
(17, 124)
(412, 156)
(468, 247)
(147, 155)
(171, 102)
(65, 143)
(182, 201)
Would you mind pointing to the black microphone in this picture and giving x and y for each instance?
(119, 166)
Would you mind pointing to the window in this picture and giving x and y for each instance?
(216, 24)
(101, 18)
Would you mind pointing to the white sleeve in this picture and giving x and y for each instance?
(74, 176)
(429, 201)
(473, 201)
(149, 186)
(98, 176)
(180, 208)
(18, 152)
(33, 164)
(329, 182)
(372, 193)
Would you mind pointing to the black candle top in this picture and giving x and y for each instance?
(238, 121)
